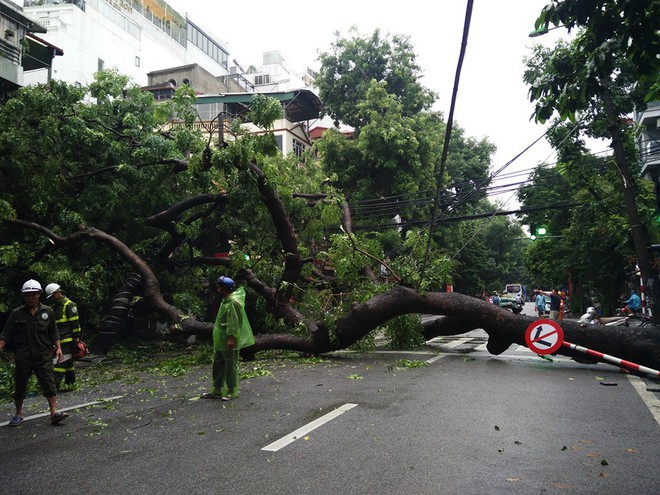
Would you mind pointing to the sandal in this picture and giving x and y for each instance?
(16, 420)
(58, 417)
(209, 395)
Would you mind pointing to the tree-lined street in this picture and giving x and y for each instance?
(366, 256)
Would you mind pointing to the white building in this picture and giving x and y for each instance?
(649, 140)
(21, 50)
(134, 36)
(274, 74)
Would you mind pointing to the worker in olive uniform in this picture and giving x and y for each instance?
(231, 333)
(31, 332)
(68, 325)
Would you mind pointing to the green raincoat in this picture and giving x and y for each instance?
(232, 320)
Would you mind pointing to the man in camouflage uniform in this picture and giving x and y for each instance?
(32, 334)
(68, 325)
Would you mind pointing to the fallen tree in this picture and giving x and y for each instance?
(457, 314)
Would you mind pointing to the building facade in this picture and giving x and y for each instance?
(649, 141)
(21, 50)
(134, 37)
(274, 74)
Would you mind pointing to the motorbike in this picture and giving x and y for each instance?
(591, 317)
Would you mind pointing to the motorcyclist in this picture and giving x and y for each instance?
(632, 305)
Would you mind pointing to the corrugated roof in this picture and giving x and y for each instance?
(300, 105)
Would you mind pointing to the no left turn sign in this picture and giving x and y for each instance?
(544, 336)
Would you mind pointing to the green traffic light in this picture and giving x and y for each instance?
(541, 231)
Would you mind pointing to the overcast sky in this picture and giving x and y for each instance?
(492, 99)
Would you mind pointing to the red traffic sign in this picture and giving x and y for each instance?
(544, 336)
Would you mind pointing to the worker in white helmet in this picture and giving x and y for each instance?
(32, 333)
(68, 325)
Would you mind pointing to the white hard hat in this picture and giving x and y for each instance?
(31, 286)
(51, 289)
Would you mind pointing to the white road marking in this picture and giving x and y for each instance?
(70, 408)
(456, 343)
(482, 347)
(435, 358)
(649, 398)
(292, 437)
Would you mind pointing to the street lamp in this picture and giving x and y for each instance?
(542, 30)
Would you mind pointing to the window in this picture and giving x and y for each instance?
(264, 79)
(137, 61)
(100, 64)
(298, 147)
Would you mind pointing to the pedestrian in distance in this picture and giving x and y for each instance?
(539, 303)
(231, 333)
(68, 326)
(495, 299)
(555, 303)
(32, 333)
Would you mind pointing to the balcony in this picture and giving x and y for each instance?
(10, 52)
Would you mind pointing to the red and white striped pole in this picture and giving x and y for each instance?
(612, 359)
(641, 289)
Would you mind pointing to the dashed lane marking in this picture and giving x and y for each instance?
(292, 437)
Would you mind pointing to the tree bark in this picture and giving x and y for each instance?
(465, 313)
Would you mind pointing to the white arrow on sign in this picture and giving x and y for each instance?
(544, 336)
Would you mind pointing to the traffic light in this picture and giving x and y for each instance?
(536, 231)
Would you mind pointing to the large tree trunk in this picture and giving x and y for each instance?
(464, 313)
(639, 233)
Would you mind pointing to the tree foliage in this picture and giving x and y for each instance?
(606, 71)
(353, 64)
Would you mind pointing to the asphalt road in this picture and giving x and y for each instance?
(466, 423)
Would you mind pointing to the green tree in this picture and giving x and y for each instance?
(616, 47)
(353, 64)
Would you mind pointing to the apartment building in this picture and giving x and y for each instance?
(135, 37)
(22, 51)
(649, 141)
(274, 74)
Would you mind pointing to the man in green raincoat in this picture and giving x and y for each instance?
(231, 333)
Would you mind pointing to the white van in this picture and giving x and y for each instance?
(514, 290)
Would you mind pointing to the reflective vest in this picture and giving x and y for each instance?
(68, 324)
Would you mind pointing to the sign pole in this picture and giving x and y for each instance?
(546, 337)
(612, 359)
